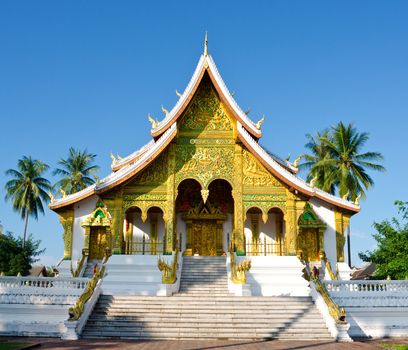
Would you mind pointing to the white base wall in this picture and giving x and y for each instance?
(276, 276)
(377, 322)
(33, 320)
(134, 275)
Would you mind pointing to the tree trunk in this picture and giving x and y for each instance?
(25, 229)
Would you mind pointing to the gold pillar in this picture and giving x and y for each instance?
(291, 224)
(67, 221)
(278, 234)
(171, 201)
(129, 234)
(238, 232)
(220, 250)
(189, 248)
(114, 206)
(342, 222)
(153, 233)
(87, 239)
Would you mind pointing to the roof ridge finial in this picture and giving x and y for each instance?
(206, 44)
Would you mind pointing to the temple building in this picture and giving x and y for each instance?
(203, 234)
(205, 184)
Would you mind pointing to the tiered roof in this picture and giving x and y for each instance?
(165, 131)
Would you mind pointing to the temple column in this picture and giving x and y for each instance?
(238, 231)
(67, 221)
(115, 207)
(342, 222)
(189, 247)
(291, 224)
(220, 251)
(170, 202)
(278, 235)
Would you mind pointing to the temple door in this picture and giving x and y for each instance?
(97, 242)
(204, 237)
(308, 243)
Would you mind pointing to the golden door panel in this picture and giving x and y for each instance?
(308, 242)
(97, 242)
(204, 237)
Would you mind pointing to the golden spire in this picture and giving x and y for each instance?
(206, 44)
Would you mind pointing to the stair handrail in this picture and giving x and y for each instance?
(336, 312)
(333, 276)
(238, 270)
(76, 311)
(169, 271)
(80, 264)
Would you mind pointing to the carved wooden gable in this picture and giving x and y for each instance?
(206, 113)
(255, 174)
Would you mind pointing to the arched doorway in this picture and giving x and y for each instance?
(264, 232)
(97, 233)
(310, 240)
(144, 235)
(201, 216)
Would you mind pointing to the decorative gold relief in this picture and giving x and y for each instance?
(206, 112)
(67, 221)
(205, 163)
(255, 174)
(156, 173)
(204, 195)
(342, 222)
(311, 233)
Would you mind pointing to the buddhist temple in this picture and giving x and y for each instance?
(203, 234)
(205, 182)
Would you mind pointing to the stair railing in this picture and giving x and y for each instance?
(333, 276)
(169, 271)
(76, 311)
(336, 312)
(238, 270)
(80, 264)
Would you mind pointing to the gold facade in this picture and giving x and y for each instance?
(206, 149)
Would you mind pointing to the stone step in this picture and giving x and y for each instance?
(249, 319)
(211, 334)
(214, 312)
(283, 300)
(205, 302)
(201, 328)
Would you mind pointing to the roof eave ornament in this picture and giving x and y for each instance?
(206, 44)
(260, 122)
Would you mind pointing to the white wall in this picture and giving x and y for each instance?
(326, 213)
(227, 230)
(81, 210)
(267, 229)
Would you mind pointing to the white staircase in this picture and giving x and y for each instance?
(203, 309)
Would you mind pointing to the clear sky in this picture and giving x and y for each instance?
(87, 73)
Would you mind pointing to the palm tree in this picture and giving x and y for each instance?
(28, 189)
(338, 164)
(319, 151)
(76, 171)
(351, 166)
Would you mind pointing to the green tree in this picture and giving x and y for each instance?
(28, 189)
(337, 161)
(391, 253)
(14, 258)
(313, 162)
(76, 171)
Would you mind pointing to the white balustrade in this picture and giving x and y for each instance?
(381, 293)
(356, 287)
(9, 282)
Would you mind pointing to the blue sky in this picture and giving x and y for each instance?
(87, 73)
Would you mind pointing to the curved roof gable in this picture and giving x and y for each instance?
(206, 64)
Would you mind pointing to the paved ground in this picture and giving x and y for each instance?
(206, 345)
